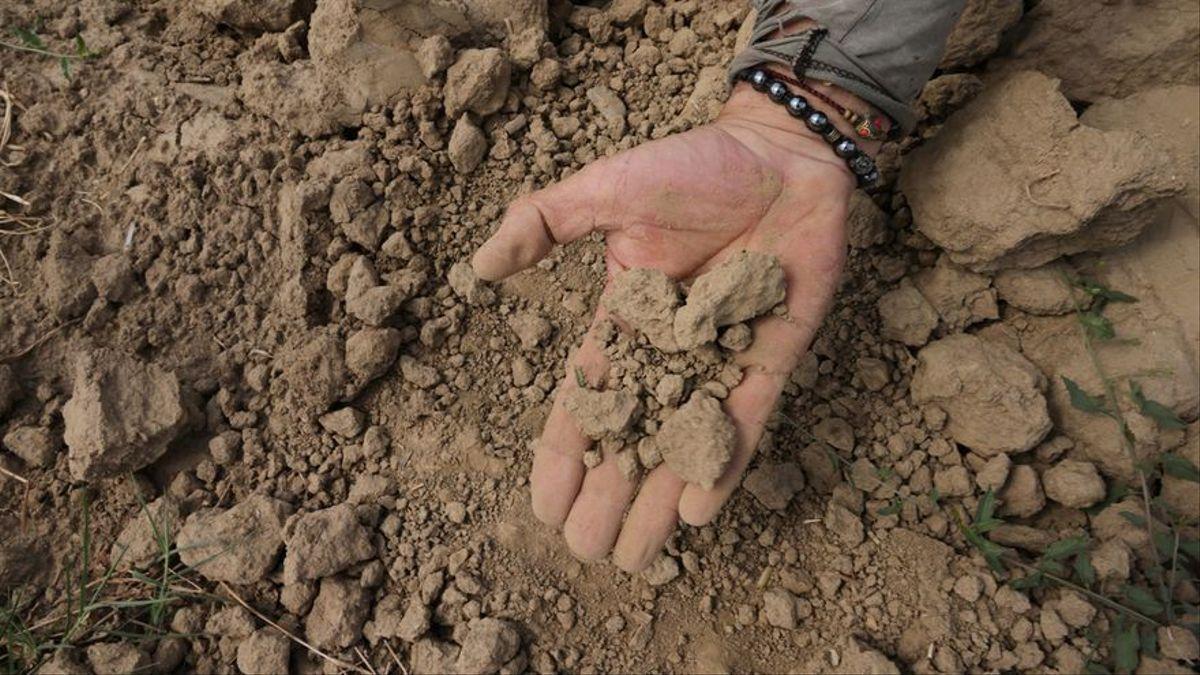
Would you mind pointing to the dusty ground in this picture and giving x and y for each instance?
(231, 344)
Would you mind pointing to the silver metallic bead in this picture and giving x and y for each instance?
(870, 178)
(797, 106)
(817, 121)
(759, 80)
(845, 148)
(777, 92)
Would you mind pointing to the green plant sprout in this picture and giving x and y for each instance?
(30, 41)
(1067, 562)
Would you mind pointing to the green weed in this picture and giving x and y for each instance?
(29, 41)
(131, 606)
(1140, 609)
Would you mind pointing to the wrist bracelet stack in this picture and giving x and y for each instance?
(860, 164)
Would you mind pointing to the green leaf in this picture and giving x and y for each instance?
(1098, 326)
(1081, 400)
(1053, 567)
(1093, 668)
(1178, 466)
(935, 496)
(81, 47)
(990, 550)
(1125, 649)
(1097, 290)
(580, 379)
(1133, 518)
(29, 37)
(1028, 582)
(1164, 416)
(1165, 544)
(1084, 572)
(1142, 600)
(1190, 547)
(985, 520)
(1116, 492)
(1149, 640)
(65, 64)
(1065, 548)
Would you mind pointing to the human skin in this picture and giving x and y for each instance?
(755, 178)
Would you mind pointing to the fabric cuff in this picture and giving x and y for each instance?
(879, 50)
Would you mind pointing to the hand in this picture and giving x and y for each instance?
(753, 179)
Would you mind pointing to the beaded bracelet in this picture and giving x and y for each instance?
(860, 163)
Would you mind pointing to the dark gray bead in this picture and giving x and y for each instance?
(870, 178)
(845, 148)
(778, 91)
(817, 121)
(862, 165)
(759, 80)
(797, 106)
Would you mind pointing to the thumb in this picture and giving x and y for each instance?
(558, 214)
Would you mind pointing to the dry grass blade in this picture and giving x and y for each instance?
(6, 121)
(399, 663)
(335, 661)
(25, 224)
(19, 479)
(40, 341)
(363, 657)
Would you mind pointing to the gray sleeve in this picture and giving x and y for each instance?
(881, 50)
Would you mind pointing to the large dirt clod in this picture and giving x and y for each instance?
(991, 394)
(122, 415)
(1074, 484)
(1129, 46)
(977, 34)
(117, 658)
(477, 82)
(325, 542)
(745, 285)
(314, 371)
(488, 645)
(239, 545)
(338, 613)
(1013, 180)
(605, 413)
(1167, 115)
(697, 440)
(906, 316)
(1043, 290)
(646, 299)
(265, 652)
(361, 47)
(960, 297)
(36, 446)
(147, 536)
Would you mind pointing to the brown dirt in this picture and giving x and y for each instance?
(237, 296)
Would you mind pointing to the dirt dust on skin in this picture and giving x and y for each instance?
(233, 292)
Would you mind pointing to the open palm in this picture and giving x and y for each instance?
(754, 179)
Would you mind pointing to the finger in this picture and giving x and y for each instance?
(557, 460)
(536, 223)
(595, 518)
(650, 522)
(749, 406)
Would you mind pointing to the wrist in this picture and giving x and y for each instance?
(767, 126)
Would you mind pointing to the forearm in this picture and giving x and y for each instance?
(869, 56)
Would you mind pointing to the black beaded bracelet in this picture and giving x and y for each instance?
(860, 163)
